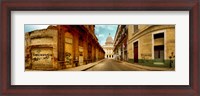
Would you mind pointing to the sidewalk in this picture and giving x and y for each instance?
(147, 68)
(83, 67)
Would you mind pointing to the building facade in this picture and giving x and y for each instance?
(62, 46)
(120, 43)
(108, 47)
(152, 45)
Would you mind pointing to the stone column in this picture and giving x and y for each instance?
(59, 48)
(85, 47)
(76, 47)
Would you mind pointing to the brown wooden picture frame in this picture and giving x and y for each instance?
(101, 5)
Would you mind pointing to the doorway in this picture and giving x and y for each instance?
(159, 48)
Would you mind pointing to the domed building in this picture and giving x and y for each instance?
(108, 47)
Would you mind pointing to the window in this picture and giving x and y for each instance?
(159, 35)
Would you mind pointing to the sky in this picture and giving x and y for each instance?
(101, 31)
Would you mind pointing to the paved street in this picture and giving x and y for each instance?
(113, 65)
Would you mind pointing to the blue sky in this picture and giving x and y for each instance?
(101, 31)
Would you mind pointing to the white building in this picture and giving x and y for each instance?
(108, 47)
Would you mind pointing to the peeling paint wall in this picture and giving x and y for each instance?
(42, 57)
(42, 53)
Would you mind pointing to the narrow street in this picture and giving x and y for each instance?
(112, 65)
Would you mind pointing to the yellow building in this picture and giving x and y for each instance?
(62, 46)
(108, 47)
(151, 45)
(120, 43)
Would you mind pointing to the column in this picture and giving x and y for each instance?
(76, 47)
(85, 47)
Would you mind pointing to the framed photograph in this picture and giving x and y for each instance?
(123, 47)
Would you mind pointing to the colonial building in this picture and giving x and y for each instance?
(151, 45)
(120, 43)
(108, 47)
(62, 46)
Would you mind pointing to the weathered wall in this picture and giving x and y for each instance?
(42, 57)
(146, 42)
(130, 44)
(145, 47)
(43, 49)
(170, 42)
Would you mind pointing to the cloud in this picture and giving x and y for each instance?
(102, 42)
(102, 32)
(111, 27)
(101, 35)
